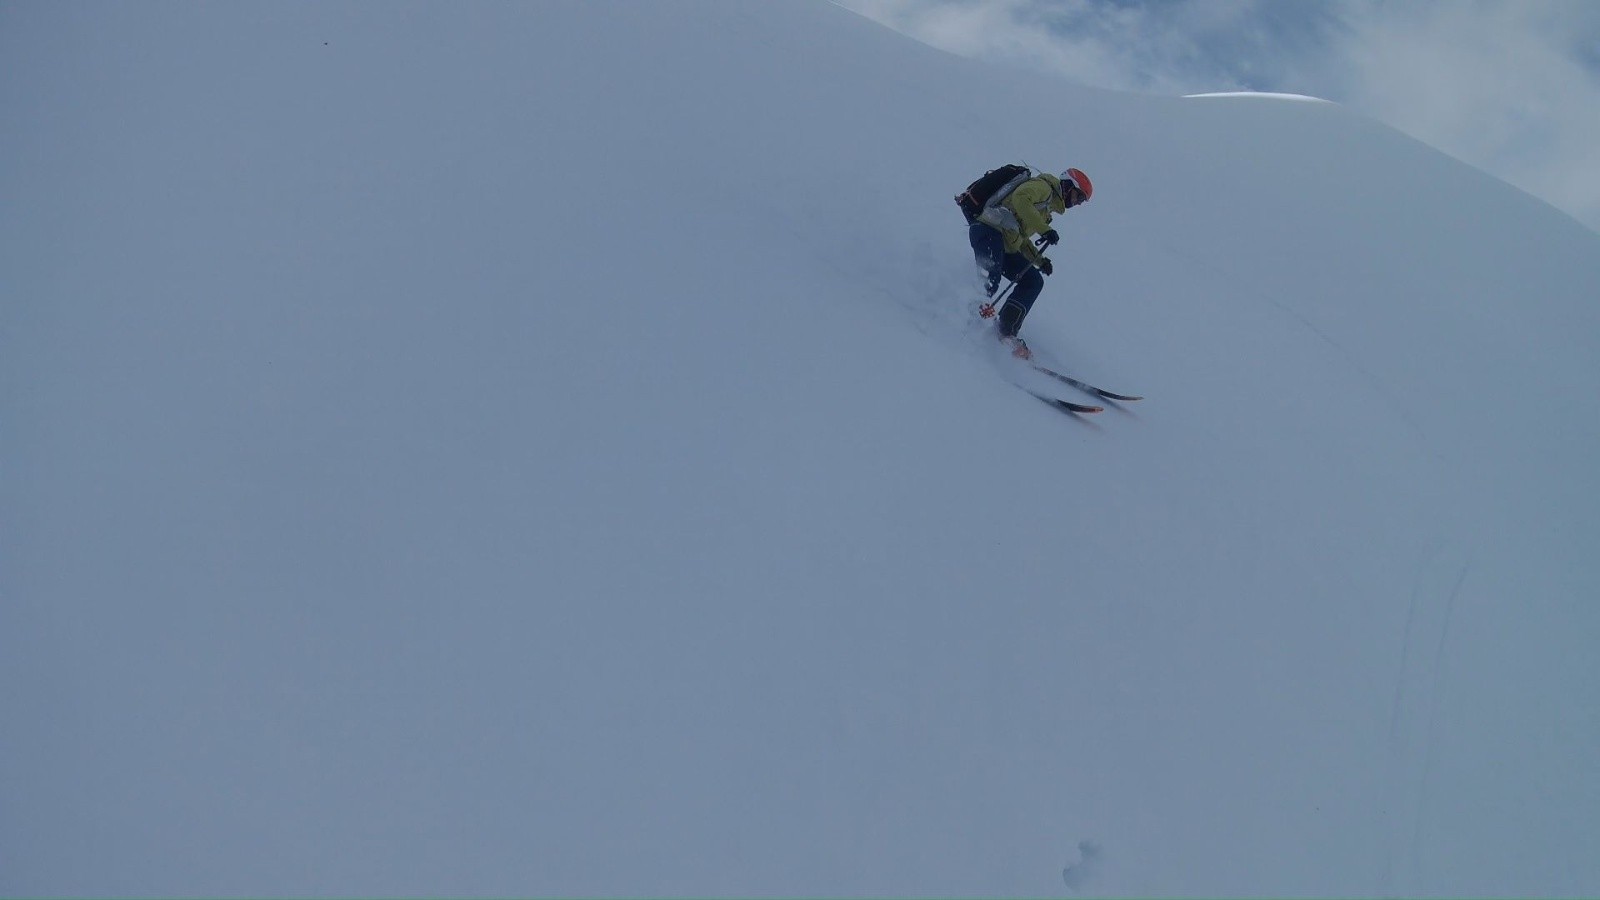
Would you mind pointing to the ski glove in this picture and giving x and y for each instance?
(1045, 266)
(1050, 238)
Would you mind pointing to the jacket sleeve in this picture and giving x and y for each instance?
(1024, 202)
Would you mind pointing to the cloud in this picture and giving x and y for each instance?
(1504, 86)
(1509, 86)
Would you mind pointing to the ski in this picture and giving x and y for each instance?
(1083, 385)
(1068, 405)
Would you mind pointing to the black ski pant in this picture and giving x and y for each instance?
(989, 249)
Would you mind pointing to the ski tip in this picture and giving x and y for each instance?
(1067, 405)
(1079, 407)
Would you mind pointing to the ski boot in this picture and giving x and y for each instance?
(1019, 349)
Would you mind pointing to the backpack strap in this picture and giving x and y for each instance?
(1006, 189)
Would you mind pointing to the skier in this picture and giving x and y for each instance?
(1002, 243)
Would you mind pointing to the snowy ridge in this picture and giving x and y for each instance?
(1264, 95)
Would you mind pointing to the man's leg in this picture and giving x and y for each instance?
(989, 250)
(1020, 301)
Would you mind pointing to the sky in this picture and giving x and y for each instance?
(1512, 88)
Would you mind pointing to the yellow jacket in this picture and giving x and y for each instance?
(1025, 212)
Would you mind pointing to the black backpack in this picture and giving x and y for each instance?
(978, 193)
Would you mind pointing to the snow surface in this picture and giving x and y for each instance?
(546, 449)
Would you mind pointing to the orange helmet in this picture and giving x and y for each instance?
(1077, 179)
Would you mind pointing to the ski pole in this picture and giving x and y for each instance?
(987, 310)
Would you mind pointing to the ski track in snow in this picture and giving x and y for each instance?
(1415, 705)
(1086, 870)
(1431, 739)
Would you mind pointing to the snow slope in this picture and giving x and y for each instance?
(546, 449)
